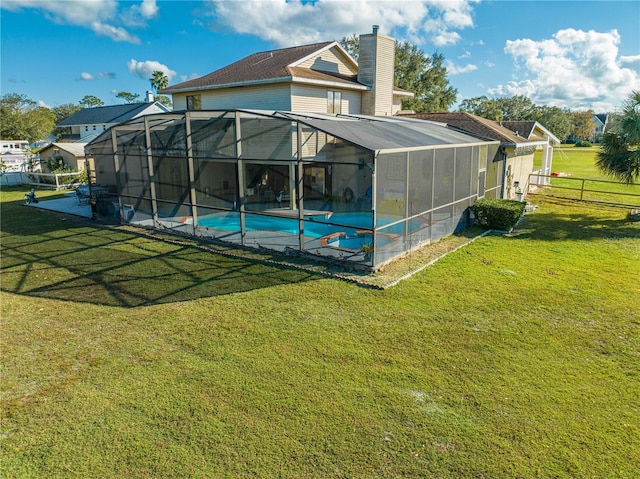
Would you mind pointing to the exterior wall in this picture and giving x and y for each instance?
(88, 130)
(518, 170)
(313, 99)
(70, 160)
(262, 97)
(376, 65)
(14, 146)
(397, 105)
(329, 61)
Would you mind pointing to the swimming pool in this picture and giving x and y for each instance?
(314, 226)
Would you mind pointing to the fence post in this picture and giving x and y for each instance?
(582, 190)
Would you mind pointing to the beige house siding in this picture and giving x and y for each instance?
(313, 99)
(518, 169)
(376, 62)
(397, 104)
(330, 61)
(69, 159)
(262, 97)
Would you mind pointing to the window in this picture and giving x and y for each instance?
(334, 102)
(194, 102)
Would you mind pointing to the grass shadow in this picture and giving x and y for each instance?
(57, 256)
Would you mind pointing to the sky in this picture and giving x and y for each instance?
(571, 54)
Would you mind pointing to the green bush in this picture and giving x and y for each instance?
(497, 214)
(583, 144)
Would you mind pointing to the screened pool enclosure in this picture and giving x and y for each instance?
(360, 189)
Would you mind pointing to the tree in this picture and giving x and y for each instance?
(583, 125)
(159, 81)
(620, 153)
(21, 118)
(556, 120)
(483, 107)
(514, 108)
(90, 101)
(64, 111)
(128, 97)
(423, 75)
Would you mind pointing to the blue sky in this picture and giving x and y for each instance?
(578, 55)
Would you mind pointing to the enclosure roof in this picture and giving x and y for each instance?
(380, 134)
(386, 133)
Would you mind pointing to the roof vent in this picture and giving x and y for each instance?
(375, 29)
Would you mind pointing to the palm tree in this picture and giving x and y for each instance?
(159, 81)
(620, 154)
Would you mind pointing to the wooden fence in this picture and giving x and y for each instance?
(584, 191)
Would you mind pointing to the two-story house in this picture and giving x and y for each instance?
(317, 78)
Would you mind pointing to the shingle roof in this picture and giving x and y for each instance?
(269, 65)
(474, 124)
(522, 128)
(105, 114)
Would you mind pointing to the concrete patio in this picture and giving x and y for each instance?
(68, 204)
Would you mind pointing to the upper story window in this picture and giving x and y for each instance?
(334, 102)
(194, 102)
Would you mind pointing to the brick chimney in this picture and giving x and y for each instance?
(376, 59)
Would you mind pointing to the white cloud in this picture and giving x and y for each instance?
(466, 54)
(453, 69)
(145, 69)
(117, 34)
(101, 16)
(137, 15)
(108, 75)
(289, 22)
(629, 59)
(86, 76)
(189, 77)
(574, 69)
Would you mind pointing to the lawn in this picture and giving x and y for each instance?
(127, 356)
(579, 162)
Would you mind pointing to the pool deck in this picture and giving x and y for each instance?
(68, 204)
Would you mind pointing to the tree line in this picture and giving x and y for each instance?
(21, 118)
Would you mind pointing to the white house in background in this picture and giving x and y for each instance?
(13, 155)
(317, 78)
(88, 123)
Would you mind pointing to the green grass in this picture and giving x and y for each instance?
(580, 163)
(126, 356)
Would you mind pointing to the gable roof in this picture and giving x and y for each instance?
(107, 115)
(530, 129)
(275, 66)
(76, 149)
(257, 68)
(478, 126)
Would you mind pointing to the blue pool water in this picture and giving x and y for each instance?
(314, 226)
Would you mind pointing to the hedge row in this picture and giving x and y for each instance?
(497, 214)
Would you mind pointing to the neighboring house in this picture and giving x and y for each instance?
(532, 130)
(517, 149)
(601, 121)
(88, 123)
(70, 155)
(14, 155)
(318, 78)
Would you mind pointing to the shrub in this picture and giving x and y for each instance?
(497, 214)
(583, 144)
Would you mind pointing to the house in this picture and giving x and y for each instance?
(516, 150)
(532, 130)
(88, 123)
(601, 121)
(317, 78)
(14, 155)
(56, 155)
(362, 190)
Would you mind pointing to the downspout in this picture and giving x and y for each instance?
(504, 171)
